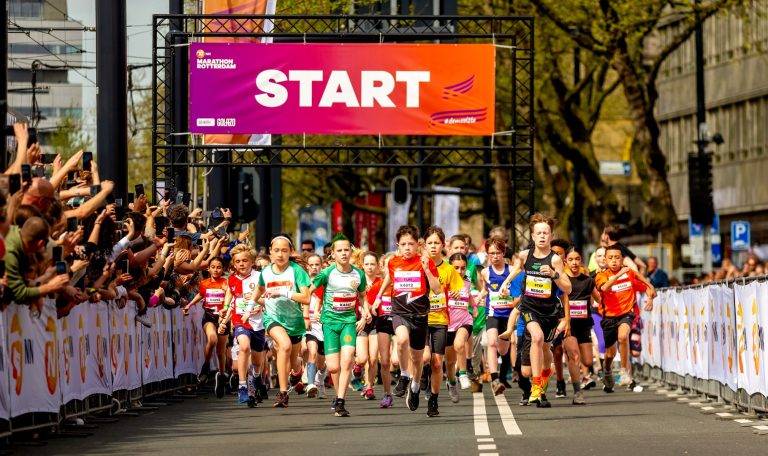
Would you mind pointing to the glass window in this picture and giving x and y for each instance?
(26, 8)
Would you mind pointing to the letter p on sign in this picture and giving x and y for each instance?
(740, 235)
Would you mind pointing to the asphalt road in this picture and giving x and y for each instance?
(621, 423)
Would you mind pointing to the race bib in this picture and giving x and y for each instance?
(623, 286)
(278, 288)
(240, 305)
(579, 309)
(538, 287)
(461, 303)
(407, 281)
(343, 302)
(436, 302)
(214, 298)
(499, 302)
(386, 305)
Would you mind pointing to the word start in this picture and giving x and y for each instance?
(375, 88)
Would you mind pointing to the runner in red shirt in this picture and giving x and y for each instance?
(213, 293)
(411, 276)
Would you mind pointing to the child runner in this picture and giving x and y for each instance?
(344, 287)
(214, 292)
(285, 288)
(617, 286)
(411, 277)
(384, 331)
(314, 337)
(368, 340)
(459, 329)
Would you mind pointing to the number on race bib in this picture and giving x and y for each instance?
(579, 309)
(538, 287)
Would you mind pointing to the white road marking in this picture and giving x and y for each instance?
(507, 418)
(488, 454)
(481, 418)
(485, 439)
(489, 446)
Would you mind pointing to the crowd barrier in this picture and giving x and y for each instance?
(710, 340)
(96, 358)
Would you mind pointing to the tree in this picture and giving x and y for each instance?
(69, 137)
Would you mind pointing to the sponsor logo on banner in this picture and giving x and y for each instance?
(393, 89)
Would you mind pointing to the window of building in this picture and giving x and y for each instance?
(26, 8)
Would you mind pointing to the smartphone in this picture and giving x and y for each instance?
(47, 159)
(14, 183)
(139, 190)
(26, 172)
(61, 267)
(72, 224)
(180, 198)
(130, 198)
(2, 268)
(244, 227)
(186, 199)
(95, 189)
(199, 242)
(40, 171)
(171, 234)
(125, 266)
(71, 179)
(57, 253)
(119, 202)
(87, 159)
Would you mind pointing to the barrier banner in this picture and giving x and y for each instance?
(72, 354)
(349, 88)
(33, 359)
(198, 339)
(98, 378)
(750, 318)
(150, 340)
(4, 383)
(123, 336)
(165, 349)
(651, 335)
(722, 336)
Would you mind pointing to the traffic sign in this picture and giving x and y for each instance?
(741, 236)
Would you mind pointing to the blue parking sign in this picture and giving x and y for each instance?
(741, 236)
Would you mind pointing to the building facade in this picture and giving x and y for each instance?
(736, 81)
(43, 42)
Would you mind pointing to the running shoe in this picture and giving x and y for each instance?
(262, 393)
(412, 399)
(369, 394)
(432, 406)
(321, 391)
(536, 393)
(339, 410)
(357, 371)
(294, 378)
(625, 378)
(524, 400)
(464, 381)
(299, 388)
(560, 389)
(233, 382)
(631, 387)
(357, 384)
(281, 400)
(311, 390)
(497, 387)
(608, 382)
(544, 402)
(588, 382)
(205, 371)
(578, 398)
(403, 385)
(219, 385)
(386, 401)
(242, 394)
(453, 392)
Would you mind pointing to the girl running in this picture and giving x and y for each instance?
(344, 287)
(368, 339)
(459, 329)
(314, 337)
(285, 288)
(384, 331)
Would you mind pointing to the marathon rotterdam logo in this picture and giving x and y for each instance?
(205, 62)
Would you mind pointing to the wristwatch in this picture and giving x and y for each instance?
(556, 276)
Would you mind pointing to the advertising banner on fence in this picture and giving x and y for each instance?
(72, 359)
(750, 320)
(5, 406)
(390, 89)
(98, 378)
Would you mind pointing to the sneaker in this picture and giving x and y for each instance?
(608, 383)
(432, 406)
(412, 399)
(560, 389)
(369, 394)
(403, 385)
(311, 390)
(625, 378)
(453, 392)
(281, 400)
(294, 378)
(544, 402)
(357, 371)
(464, 381)
(144, 320)
(242, 395)
(578, 398)
(536, 393)
(588, 382)
(339, 410)
(357, 384)
(233, 382)
(524, 400)
(497, 387)
(202, 377)
(321, 391)
(299, 388)
(386, 401)
(631, 387)
(262, 393)
(219, 385)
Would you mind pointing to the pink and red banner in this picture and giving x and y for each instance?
(390, 89)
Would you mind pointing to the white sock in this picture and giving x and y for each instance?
(405, 374)
(414, 386)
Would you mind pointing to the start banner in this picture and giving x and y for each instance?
(391, 89)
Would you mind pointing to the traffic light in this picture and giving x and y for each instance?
(401, 189)
(700, 188)
(248, 209)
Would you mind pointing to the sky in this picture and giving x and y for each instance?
(139, 21)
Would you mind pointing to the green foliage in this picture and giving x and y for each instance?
(69, 137)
